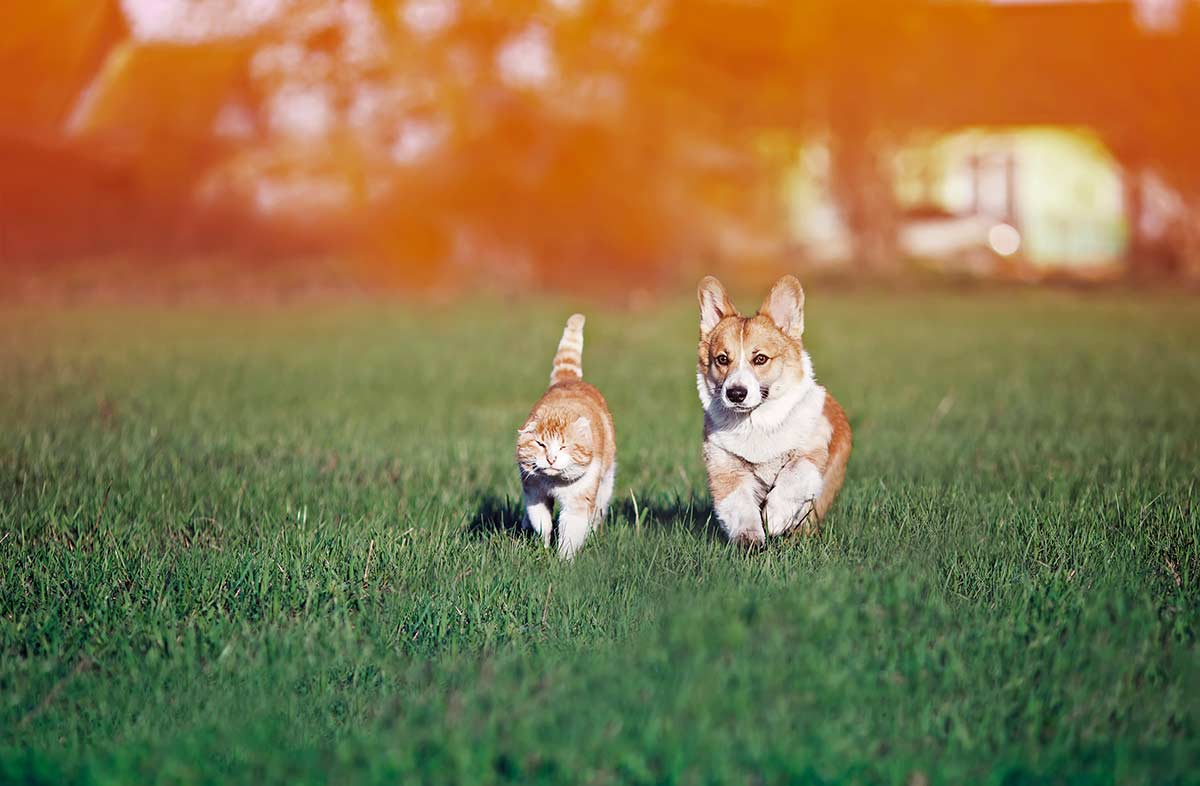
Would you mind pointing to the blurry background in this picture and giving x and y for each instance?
(252, 534)
(564, 144)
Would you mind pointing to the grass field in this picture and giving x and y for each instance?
(276, 545)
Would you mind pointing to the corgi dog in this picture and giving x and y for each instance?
(775, 442)
(567, 450)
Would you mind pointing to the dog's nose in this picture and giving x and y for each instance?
(736, 394)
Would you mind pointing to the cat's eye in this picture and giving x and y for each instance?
(760, 359)
(540, 444)
(722, 359)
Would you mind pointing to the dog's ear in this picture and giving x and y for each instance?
(785, 306)
(715, 304)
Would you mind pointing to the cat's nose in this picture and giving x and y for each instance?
(736, 394)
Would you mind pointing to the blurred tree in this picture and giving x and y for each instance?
(557, 141)
(48, 52)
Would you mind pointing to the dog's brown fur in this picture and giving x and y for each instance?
(781, 451)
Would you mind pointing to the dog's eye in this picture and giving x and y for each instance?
(760, 359)
(722, 359)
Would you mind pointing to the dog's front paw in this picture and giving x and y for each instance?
(807, 522)
(750, 541)
(784, 516)
(748, 536)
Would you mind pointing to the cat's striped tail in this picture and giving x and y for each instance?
(568, 361)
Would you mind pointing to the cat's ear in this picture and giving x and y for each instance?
(785, 306)
(715, 304)
(582, 428)
(528, 428)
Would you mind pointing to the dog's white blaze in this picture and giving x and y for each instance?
(744, 376)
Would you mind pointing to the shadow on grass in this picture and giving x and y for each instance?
(689, 513)
(495, 514)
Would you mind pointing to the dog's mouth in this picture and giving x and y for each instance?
(741, 407)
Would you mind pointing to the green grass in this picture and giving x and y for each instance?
(275, 545)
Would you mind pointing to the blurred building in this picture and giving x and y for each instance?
(1048, 198)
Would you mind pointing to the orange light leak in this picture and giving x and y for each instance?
(556, 143)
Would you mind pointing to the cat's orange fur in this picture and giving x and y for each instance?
(566, 451)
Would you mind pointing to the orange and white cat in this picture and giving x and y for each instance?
(775, 442)
(566, 451)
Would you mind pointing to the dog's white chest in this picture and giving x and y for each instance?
(771, 433)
